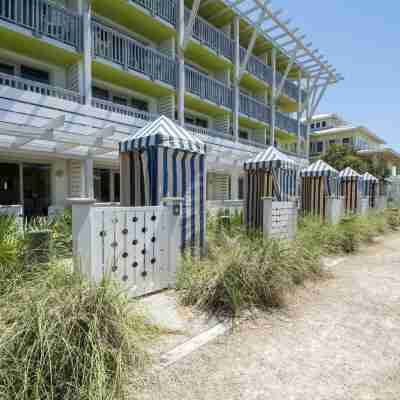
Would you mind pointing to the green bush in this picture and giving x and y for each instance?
(243, 271)
(63, 338)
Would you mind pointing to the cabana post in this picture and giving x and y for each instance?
(370, 188)
(350, 183)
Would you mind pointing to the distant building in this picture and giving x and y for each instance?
(329, 129)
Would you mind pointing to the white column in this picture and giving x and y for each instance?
(89, 178)
(273, 100)
(234, 185)
(86, 67)
(181, 63)
(236, 79)
(299, 107)
(308, 118)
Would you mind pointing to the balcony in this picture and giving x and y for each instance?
(212, 37)
(257, 68)
(44, 18)
(204, 132)
(207, 88)
(118, 48)
(255, 109)
(124, 110)
(254, 143)
(39, 88)
(164, 9)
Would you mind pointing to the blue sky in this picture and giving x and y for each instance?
(361, 38)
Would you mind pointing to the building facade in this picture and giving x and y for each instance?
(78, 76)
(330, 129)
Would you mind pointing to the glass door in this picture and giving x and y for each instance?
(37, 193)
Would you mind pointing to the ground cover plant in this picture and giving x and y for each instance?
(242, 270)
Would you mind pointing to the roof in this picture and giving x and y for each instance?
(369, 177)
(319, 168)
(383, 150)
(348, 173)
(269, 159)
(348, 128)
(165, 133)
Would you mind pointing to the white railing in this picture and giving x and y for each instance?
(208, 132)
(121, 109)
(39, 88)
(165, 9)
(45, 18)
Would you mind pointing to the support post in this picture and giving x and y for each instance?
(87, 52)
(234, 185)
(89, 178)
(299, 108)
(181, 62)
(236, 79)
(273, 102)
(308, 119)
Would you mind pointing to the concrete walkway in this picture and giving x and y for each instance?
(338, 339)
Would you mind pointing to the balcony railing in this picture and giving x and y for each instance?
(119, 48)
(286, 123)
(203, 132)
(257, 68)
(44, 18)
(39, 88)
(254, 143)
(254, 108)
(207, 88)
(211, 36)
(164, 9)
(125, 110)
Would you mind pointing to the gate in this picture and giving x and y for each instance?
(135, 246)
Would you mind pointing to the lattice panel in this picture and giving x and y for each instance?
(129, 245)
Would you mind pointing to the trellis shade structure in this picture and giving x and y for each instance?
(350, 188)
(269, 174)
(164, 160)
(318, 182)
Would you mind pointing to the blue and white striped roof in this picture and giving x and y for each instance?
(348, 173)
(165, 133)
(369, 177)
(319, 168)
(270, 158)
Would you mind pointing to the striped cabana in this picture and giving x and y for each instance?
(370, 188)
(164, 160)
(269, 174)
(318, 182)
(350, 187)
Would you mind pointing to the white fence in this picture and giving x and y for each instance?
(232, 206)
(279, 219)
(137, 246)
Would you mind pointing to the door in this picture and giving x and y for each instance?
(37, 191)
(9, 184)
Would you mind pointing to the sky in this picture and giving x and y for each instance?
(361, 38)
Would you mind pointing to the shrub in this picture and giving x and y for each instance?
(62, 338)
(244, 271)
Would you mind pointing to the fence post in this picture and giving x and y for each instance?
(267, 216)
(334, 209)
(81, 235)
(172, 235)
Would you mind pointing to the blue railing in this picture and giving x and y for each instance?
(254, 108)
(44, 18)
(257, 68)
(207, 88)
(164, 9)
(119, 48)
(211, 36)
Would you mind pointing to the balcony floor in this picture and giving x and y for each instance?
(206, 57)
(204, 106)
(22, 41)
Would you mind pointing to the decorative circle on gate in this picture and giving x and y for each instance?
(153, 239)
(153, 218)
(124, 255)
(144, 251)
(135, 242)
(144, 229)
(114, 245)
(144, 274)
(125, 278)
(103, 233)
(153, 261)
(114, 268)
(125, 231)
(135, 264)
(135, 219)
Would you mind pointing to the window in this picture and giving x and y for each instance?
(312, 126)
(102, 185)
(332, 141)
(100, 93)
(34, 74)
(324, 124)
(6, 69)
(346, 141)
(120, 100)
(139, 104)
(244, 135)
(197, 121)
(318, 125)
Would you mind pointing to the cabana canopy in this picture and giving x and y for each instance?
(317, 169)
(348, 173)
(163, 133)
(369, 177)
(270, 159)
